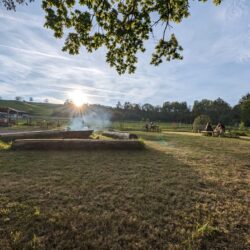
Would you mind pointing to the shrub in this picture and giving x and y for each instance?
(200, 122)
(242, 126)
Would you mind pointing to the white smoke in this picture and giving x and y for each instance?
(77, 123)
(93, 119)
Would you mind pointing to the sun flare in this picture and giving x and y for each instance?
(78, 98)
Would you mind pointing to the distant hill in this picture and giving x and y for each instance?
(34, 108)
(50, 109)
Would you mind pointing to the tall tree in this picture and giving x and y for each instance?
(218, 110)
(18, 98)
(120, 26)
(119, 105)
(202, 107)
(244, 98)
(245, 112)
(244, 104)
(11, 4)
(221, 111)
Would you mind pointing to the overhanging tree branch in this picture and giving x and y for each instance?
(125, 25)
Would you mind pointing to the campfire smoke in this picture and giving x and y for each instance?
(92, 119)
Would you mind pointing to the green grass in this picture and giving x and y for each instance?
(182, 192)
(4, 146)
(50, 112)
(140, 125)
(34, 108)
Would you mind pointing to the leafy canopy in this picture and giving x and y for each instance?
(122, 26)
(11, 4)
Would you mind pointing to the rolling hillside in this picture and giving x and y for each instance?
(51, 109)
(34, 108)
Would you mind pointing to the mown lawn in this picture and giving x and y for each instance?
(140, 126)
(182, 192)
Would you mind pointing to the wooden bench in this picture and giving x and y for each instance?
(213, 133)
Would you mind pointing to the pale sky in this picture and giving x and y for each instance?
(216, 42)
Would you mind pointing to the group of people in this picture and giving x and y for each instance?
(150, 126)
(218, 130)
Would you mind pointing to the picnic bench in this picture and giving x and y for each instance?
(215, 133)
(212, 133)
(207, 132)
(152, 128)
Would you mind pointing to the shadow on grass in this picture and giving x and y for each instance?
(111, 199)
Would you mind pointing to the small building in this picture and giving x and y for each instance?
(10, 116)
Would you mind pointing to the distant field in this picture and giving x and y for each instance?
(122, 125)
(140, 125)
(183, 192)
(47, 112)
(167, 126)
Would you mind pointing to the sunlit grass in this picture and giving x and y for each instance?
(4, 146)
(182, 192)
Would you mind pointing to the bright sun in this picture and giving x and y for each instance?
(78, 97)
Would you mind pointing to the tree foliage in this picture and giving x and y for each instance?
(200, 122)
(18, 98)
(245, 112)
(11, 4)
(218, 110)
(244, 98)
(122, 26)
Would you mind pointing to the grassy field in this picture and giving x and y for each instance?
(140, 125)
(117, 125)
(34, 108)
(182, 192)
(169, 126)
(48, 113)
(122, 125)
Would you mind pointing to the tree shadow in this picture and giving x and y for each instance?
(117, 199)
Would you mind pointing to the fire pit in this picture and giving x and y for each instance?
(67, 140)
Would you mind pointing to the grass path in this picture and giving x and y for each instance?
(181, 133)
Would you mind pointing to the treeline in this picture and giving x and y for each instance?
(218, 111)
